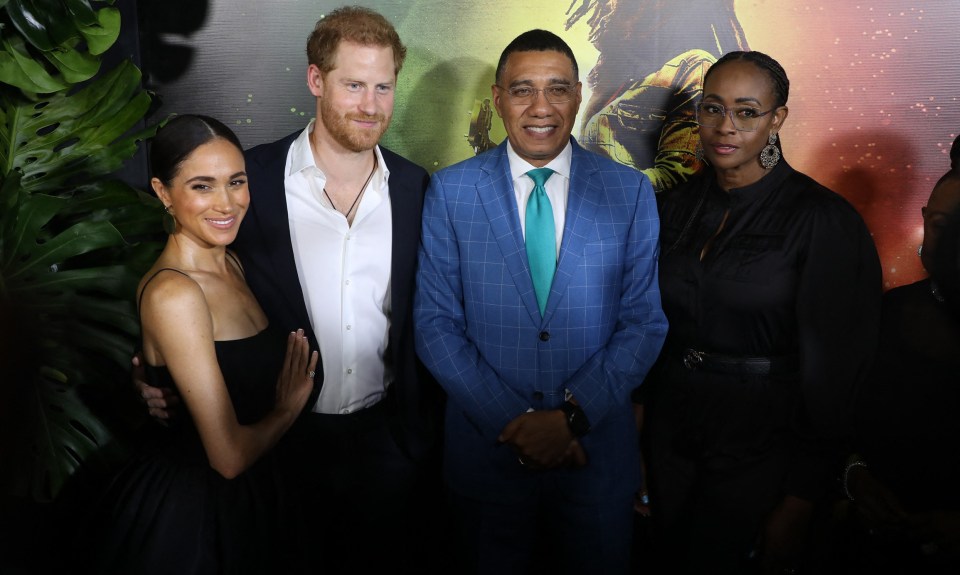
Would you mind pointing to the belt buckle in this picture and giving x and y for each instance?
(692, 359)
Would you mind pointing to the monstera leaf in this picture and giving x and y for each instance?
(47, 45)
(72, 240)
(60, 264)
(68, 137)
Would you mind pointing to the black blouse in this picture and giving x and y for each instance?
(794, 271)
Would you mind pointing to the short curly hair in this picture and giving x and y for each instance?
(353, 24)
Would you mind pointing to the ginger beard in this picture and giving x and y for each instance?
(345, 130)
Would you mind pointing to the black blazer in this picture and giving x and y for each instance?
(266, 251)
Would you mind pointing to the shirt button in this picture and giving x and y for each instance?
(349, 327)
(349, 371)
(345, 411)
(347, 282)
(544, 336)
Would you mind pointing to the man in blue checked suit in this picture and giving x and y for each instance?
(538, 311)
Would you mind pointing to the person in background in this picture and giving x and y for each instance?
(537, 310)
(903, 479)
(955, 154)
(200, 500)
(771, 284)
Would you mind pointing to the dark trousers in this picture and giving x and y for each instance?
(547, 533)
(358, 503)
(709, 521)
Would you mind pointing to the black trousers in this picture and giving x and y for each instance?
(717, 460)
(357, 503)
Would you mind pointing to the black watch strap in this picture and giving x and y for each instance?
(576, 419)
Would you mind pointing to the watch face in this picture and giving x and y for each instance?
(576, 419)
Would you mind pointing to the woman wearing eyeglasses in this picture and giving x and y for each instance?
(771, 284)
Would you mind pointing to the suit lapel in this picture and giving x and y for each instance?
(579, 225)
(274, 225)
(405, 208)
(495, 190)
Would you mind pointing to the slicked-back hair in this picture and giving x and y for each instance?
(769, 66)
(536, 41)
(179, 137)
(356, 24)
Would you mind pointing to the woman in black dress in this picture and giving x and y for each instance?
(904, 478)
(202, 500)
(771, 284)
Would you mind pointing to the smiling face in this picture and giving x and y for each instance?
(735, 154)
(208, 196)
(537, 131)
(355, 98)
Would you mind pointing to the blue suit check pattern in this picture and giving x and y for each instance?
(480, 331)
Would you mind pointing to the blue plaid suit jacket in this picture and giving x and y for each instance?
(480, 332)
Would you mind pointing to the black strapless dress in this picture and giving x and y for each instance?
(169, 512)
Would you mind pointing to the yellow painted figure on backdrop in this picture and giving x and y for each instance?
(649, 75)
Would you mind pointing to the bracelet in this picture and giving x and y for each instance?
(846, 475)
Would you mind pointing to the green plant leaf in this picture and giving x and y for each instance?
(64, 138)
(60, 432)
(81, 11)
(9, 204)
(55, 28)
(103, 32)
(74, 66)
(78, 239)
(73, 242)
(46, 24)
(19, 69)
(29, 20)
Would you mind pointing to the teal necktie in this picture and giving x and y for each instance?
(541, 237)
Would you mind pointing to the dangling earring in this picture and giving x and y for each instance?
(169, 222)
(770, 154)
(920, 251)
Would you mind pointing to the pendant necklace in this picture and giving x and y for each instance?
(360, 193)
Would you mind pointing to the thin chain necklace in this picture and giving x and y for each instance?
(360, 193)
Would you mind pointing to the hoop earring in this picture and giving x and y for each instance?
(169, 222)
(770, 154)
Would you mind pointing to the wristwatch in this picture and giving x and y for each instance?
(576, 419)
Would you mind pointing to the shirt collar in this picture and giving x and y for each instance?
(301, 157)
(560, 165)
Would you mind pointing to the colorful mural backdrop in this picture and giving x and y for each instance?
(873, 102)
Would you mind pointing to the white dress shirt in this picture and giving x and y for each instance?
(557, 187)
(344, 273)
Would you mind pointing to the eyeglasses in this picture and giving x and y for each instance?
(525, 95)
(745, 119)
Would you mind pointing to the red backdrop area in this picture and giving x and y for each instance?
(873, 108)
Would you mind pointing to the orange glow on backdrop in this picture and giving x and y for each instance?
(873, 106)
